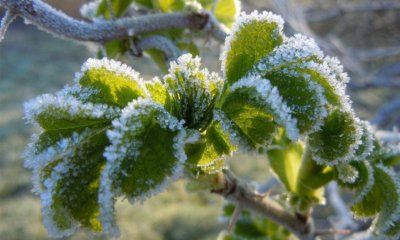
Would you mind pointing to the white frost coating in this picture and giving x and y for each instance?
(320, 111)
(269, 95)
(330, 75)
(347, 173)
(368, 186)
(37, 160)
(395, 215)
(243, 20)
(47, 202)
(334, 64)
(124, 144)
(350, 155)
(106, 200)
(89, 10)
(369, 143)
(227, 126)
(113, 66)
(293, 49)
(65, 106)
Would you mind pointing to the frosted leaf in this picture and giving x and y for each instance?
(303, 95)
(266, 95)
(66, 177)
(111, 82)
(65, 111)
(253, 36)
(293, 50)
(347, 173)
(337, 140)
(206, 155)
(192, 91)
(146, 154)
(367, 142)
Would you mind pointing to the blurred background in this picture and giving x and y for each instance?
(363, 34)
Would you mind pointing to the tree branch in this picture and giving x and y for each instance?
(58, 23)
(235, 191)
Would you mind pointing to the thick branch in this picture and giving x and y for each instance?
(56, 22)
(233, 190)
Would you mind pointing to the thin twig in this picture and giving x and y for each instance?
(235, 217)
(5, 23)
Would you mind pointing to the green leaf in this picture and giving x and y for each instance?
(119, 7)
(163, 5)
(301, 55)
(111, 83)
(145, 3)
(389, 184)
(158, 92)
(65, 112)
(366, 146)
(253, 37)
(382, 199)
(254, 110)
(337, 139)
(364, 181)
(226, 11)
(145, 156)
(303, 96)
(70, 183)
(207, 154)
(115, 48)
(370, 205)
(248, 122)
